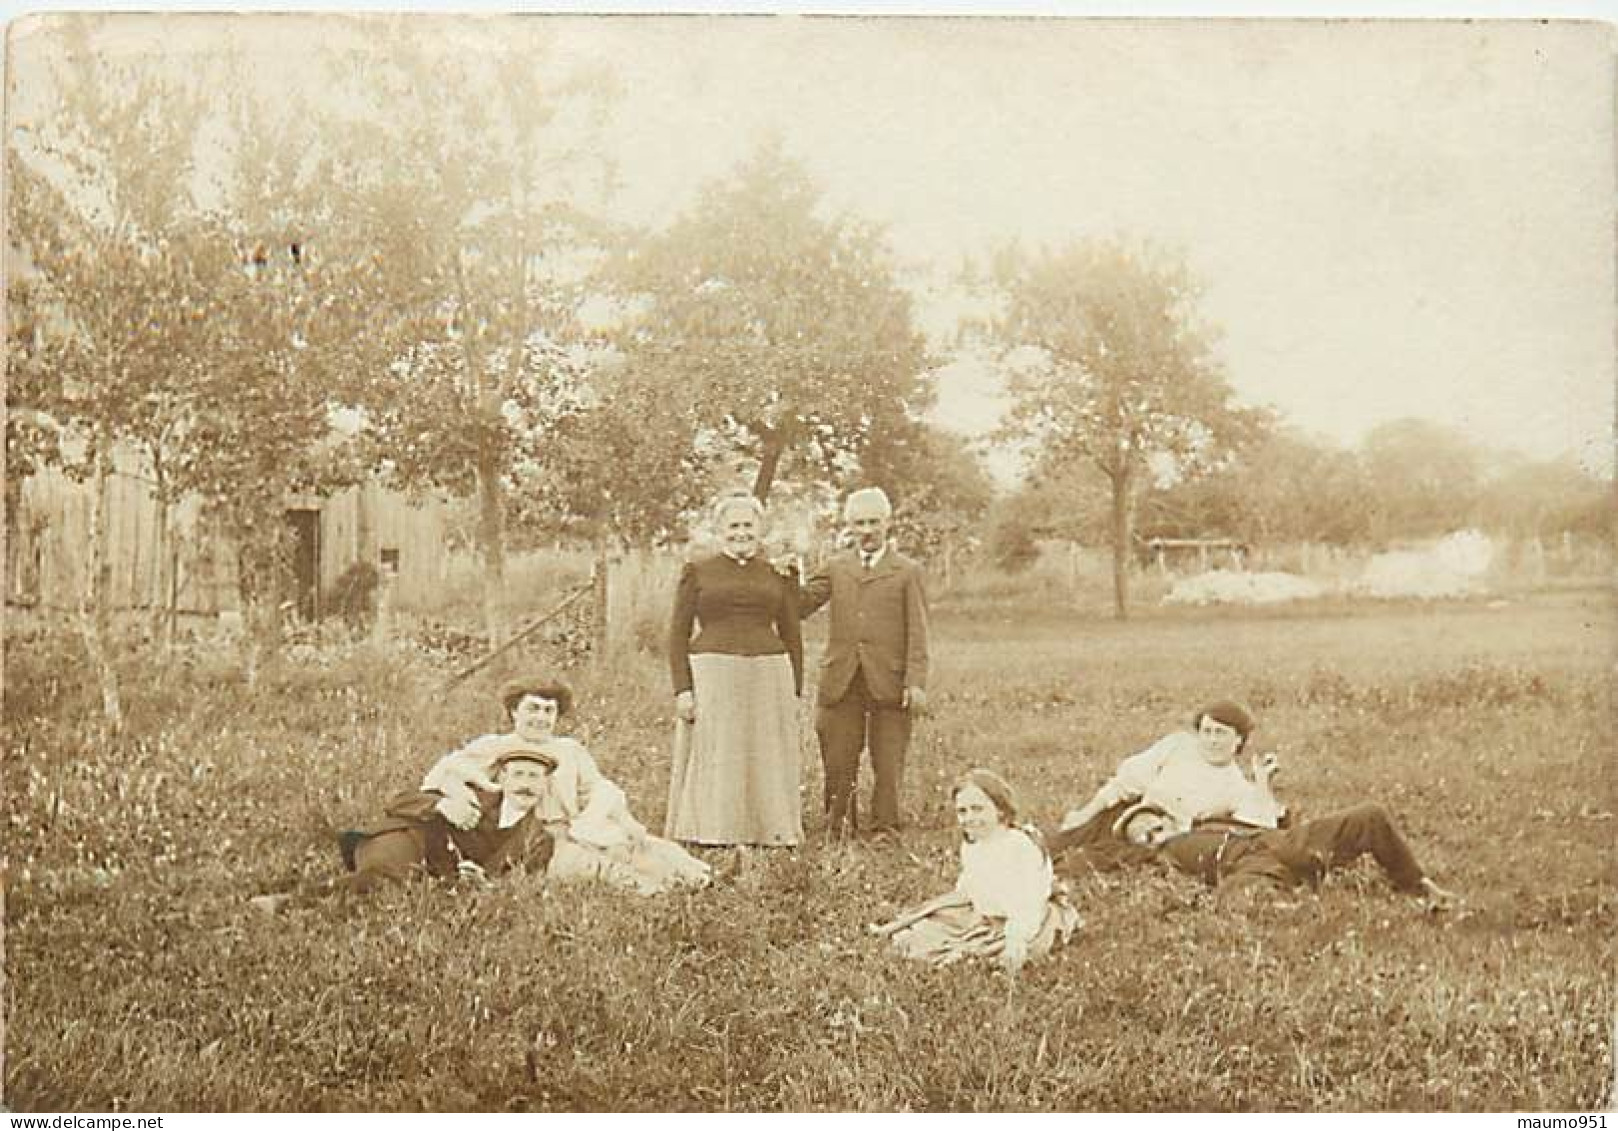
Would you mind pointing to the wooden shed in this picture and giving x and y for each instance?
(49, 541)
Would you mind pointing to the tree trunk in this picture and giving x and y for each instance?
(93, 612)
(600, 625)
(164, 564)
(769, 462)
(259, 589)
(1122, 533)
(491, 544)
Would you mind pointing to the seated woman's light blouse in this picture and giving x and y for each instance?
(1173, 775)
(1006, 875)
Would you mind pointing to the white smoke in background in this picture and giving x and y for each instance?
(1231, 587)
(1452, 567)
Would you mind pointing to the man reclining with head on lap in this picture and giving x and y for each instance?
(1185, 799)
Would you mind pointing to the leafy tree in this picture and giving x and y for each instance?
(1115, 371)
(200, 338)
(629, 464)
(1542, 498)
(466, 170)
(1011, 542)
(1421, 478)
(941, 490)
(782, 331)
(1284, 487)
(108, 282)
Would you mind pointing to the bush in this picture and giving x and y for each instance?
(353, 595)
(1013, 548)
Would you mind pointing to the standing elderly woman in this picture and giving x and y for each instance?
(736, 683)
(1004, 906)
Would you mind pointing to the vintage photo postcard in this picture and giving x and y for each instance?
(791, 563)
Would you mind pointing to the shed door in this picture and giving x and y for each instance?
(305, 526)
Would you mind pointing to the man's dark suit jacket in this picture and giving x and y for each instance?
(415, 834)
(878, 624)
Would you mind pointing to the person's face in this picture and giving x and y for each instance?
(738, 532)
(975, 813)
(1219, 742)
(523, 781)
(870, 531)
(1148, 830)
(534, 718)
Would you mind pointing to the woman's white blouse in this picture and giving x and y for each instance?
(1008, 876)
(1173, 775)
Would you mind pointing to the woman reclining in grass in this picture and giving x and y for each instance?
(588, 816)
(1003, 906)
(1187, 789)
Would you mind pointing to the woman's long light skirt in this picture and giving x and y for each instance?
(735, 778)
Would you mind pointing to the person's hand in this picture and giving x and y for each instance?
(1265, 768)
(1071, 819)
(685, 706)
(462, 812)
(470, 871)
(1014, 956)
(915, 700)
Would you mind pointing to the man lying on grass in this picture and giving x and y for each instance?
(596, 836)
(1237, 860)
(1214, 813)
(418, 837)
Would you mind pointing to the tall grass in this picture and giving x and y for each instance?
(140, 978)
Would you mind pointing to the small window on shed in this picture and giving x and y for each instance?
(390, 560)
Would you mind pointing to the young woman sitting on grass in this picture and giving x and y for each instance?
(1003, 906)
(586, 815)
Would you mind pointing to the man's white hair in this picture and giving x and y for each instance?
(865, 501)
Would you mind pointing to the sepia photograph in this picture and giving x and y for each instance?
(808, 563)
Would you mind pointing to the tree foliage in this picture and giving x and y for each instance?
(780, 330)
(1112, 367)
(464, 171)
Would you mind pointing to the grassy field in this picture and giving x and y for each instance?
(140, 979)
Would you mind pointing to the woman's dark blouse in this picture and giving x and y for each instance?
(740, 610)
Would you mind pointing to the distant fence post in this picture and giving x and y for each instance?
(600, 591)
(382, 626)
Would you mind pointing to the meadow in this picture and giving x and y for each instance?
(139, 978)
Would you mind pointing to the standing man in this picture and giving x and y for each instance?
(873, 676)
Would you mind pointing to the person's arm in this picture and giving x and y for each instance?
(603, 817)
(459, 773)
(911, 916)
(680, 625)
(916, 645)
(789, 626)
(1261, 806)
(816, 591)
(1127, 784)
(1025, 890)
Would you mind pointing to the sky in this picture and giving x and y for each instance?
(1390, 219)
